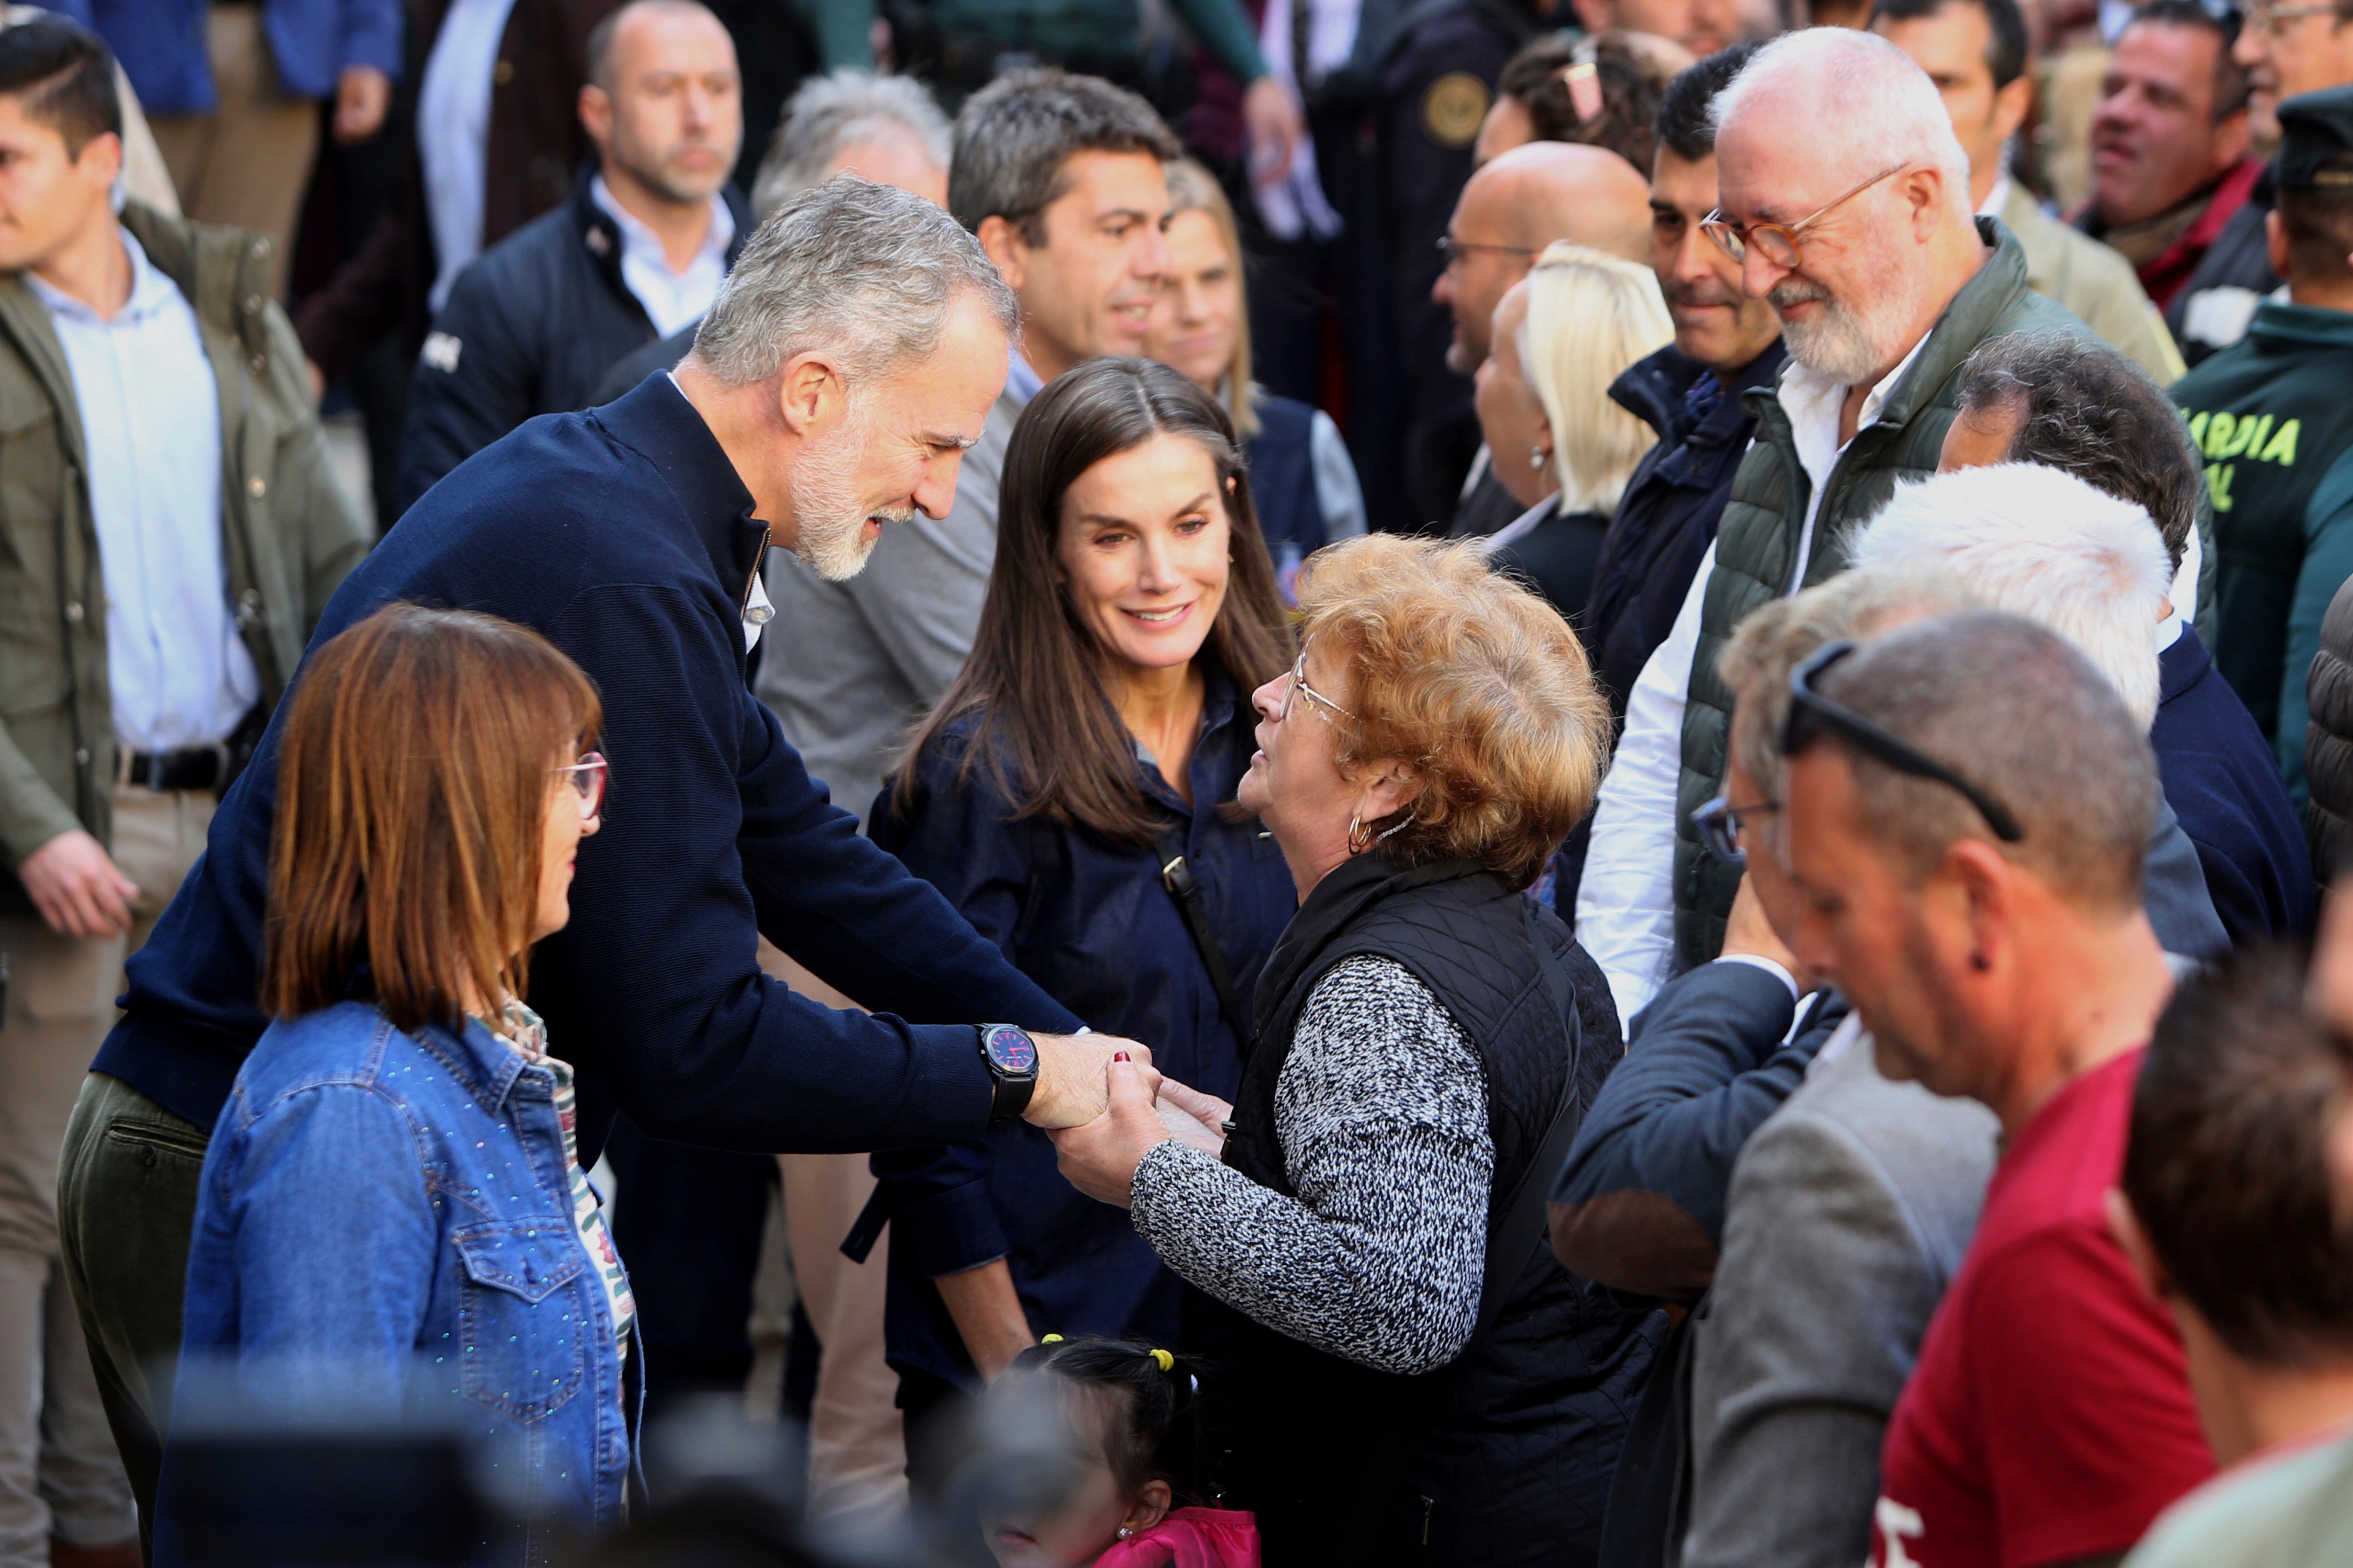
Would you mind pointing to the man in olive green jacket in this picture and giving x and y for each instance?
(169, 533)
(1842, 183)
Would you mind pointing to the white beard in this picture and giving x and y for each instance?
(832, 520)
(1848, 343)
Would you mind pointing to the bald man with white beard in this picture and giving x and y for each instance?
(1510, 208)
(1845, 196)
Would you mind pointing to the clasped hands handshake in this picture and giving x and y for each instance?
(1106, 1107)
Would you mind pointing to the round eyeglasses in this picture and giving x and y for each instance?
(589, 777)
(1778, 242)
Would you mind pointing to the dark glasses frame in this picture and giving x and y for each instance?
(1717, 823)
(1809, 707)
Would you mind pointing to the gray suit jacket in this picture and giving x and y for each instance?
(1850, 1208)
(849, 667)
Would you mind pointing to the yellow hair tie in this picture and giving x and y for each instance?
(1164, 1360)
(1051, 1339)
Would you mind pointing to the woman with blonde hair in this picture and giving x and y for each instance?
(1417, 1377)
(1561, 447)
(1301, 473)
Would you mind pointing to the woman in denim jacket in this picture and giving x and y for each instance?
(1097, 732)
(392, 1208)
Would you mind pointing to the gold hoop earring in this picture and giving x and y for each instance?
(1360, 837)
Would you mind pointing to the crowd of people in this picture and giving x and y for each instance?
(1464, 783)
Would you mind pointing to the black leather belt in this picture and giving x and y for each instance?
(197, 767)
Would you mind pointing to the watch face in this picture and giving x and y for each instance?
(1010, 1049)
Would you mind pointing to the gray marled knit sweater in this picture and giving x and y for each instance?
(1382, 1110)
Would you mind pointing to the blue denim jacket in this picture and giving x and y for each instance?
(396, 1204)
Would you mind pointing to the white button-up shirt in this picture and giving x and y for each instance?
(150, 424)
(1626, 903)
(672, 299)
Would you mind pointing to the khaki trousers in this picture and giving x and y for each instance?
(59, 1472)
(248, 160)
(857, 1447)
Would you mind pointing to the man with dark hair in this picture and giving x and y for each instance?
(1975, 53)
(2169, 139)
(2228, 1210)
(1689, 392)
(2271, 419)
(1968, 855)
(2287, 48)
(531, 326)
(2083, 409)
(171, 532)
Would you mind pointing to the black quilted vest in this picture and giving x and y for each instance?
(1504, 1455)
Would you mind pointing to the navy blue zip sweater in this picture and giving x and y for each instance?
(624, 536)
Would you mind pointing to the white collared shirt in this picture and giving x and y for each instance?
(453, 132)
(672, 299)
(1625, 903)
(177, 672)
(1996, 198)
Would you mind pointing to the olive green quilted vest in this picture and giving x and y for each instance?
(1756, 544)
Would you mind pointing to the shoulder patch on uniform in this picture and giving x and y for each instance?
(1452, 108)
(441, 352)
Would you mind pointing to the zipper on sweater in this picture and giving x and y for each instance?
(1428, 1503)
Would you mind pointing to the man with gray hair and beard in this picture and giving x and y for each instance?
(1844, 195)
(845, 367)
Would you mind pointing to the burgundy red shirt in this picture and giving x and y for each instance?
(2050, 1417)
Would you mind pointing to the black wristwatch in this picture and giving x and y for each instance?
(1011, 1057)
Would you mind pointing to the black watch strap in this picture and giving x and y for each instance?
(1010, 1055)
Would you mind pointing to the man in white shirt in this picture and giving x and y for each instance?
(1845, 193)
(169, 532)
(533, 325)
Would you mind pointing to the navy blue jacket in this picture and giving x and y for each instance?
(1667, 518)
(624, 536)
(1092, 922)
(2222, 781)
(534, 325)
(1639, 1205)
(1282, 478)
(161, 44)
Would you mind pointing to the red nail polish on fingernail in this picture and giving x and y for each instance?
(1121, 1056)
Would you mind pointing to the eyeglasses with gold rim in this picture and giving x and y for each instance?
(1778, 241)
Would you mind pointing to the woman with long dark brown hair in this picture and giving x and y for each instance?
(392, 1214)
(1072, 795)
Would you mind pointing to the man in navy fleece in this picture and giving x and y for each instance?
(834, 386)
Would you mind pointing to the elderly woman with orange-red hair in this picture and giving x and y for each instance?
(1417, 1375)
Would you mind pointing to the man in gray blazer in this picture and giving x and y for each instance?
(1849, 1207)
(1815, 1238)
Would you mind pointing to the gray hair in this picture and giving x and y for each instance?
(1014, 135)
(2015, 708)
(2085, 409)
(866, 272)
(2041, 543)
(1864, 98)
(1780, 635)
(832, 114)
